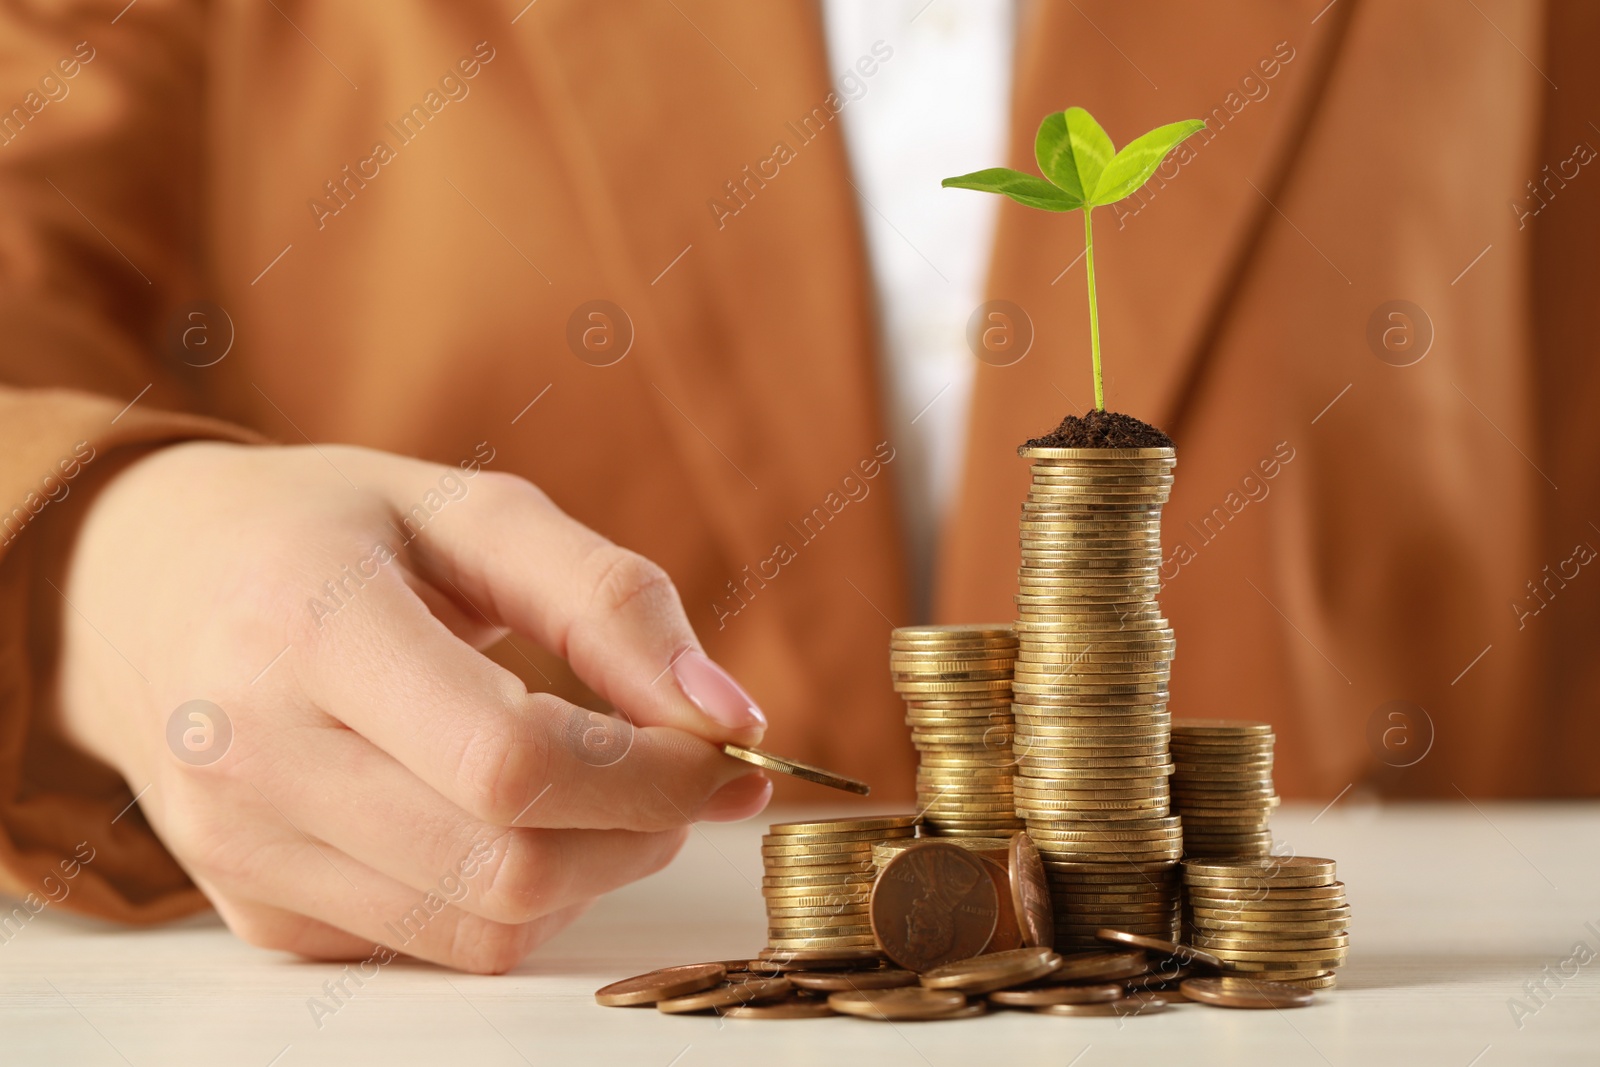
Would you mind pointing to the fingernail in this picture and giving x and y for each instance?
(741, 798)
(713, 691)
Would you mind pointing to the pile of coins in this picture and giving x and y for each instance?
(1282, 918)
(1109, 982)
(1222, 786)
(956, 681)
(817, 883)
(1090, 685)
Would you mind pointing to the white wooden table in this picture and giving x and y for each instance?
(1454, 909)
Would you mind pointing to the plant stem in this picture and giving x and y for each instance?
(1094, 312)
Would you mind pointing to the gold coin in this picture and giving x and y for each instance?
(937, 668)
(1098, 457)
(821, 943)
(785, 934)
(1321, 892)
(794, 768)
(837, 851)
(1225, 728)
(1231, 992)
(1247, 914)
(869, 835)
(1271, 868)
(1244, 942)
(801, 897)
(1301, 967)
(1322, 926)
(843, 911)
(820, 959)
(952, 631)
(846, 879)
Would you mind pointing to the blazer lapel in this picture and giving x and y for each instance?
(706, 163)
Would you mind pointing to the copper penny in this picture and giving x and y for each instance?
(664, 984)
(783, 1009)
(1182, 953)
(1056, 994)
(1125, 1006)
(1030, 892)
(726, 995)
(896, 1004)
(1246, 993)
(994, 970)
(844, 981)
(1100, 966)
(933, 904)
(1008, 932)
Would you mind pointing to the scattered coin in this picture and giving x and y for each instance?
(661, 984)
(838, 981)
(1030, 891)
(1040, 996)
(787, 960)
(794, 768)
(897, 1004)
(994, 970)
(1101, 966)
(725, 995)
(783, 1009)
(1229, 992)
(1124, 1006)
(1182, 953)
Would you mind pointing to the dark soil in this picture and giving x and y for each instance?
(1102, 429)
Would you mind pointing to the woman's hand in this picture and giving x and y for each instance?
(361, 773)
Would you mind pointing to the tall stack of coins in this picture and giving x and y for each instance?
(1281, 918)
(1090, 688)
(1222, 786)
(818, 886)
(993, 849)
(956, 681)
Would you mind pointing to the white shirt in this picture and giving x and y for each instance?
(937, 106)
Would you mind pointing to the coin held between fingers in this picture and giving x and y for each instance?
(794, 768)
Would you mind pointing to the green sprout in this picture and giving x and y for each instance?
(1084, 171)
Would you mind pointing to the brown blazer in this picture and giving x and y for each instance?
(405, 209)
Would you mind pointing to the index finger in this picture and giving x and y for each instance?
(612, 614)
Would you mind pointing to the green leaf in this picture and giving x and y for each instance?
(1138, 160)
(1072, 150)
(1023, 188)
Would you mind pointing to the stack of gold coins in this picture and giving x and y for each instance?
(818, 885)
(995, 849)
(956, 681)
(1222, 786)
(1090, 689)
(1282, 918)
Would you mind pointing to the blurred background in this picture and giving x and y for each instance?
(686, 264)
